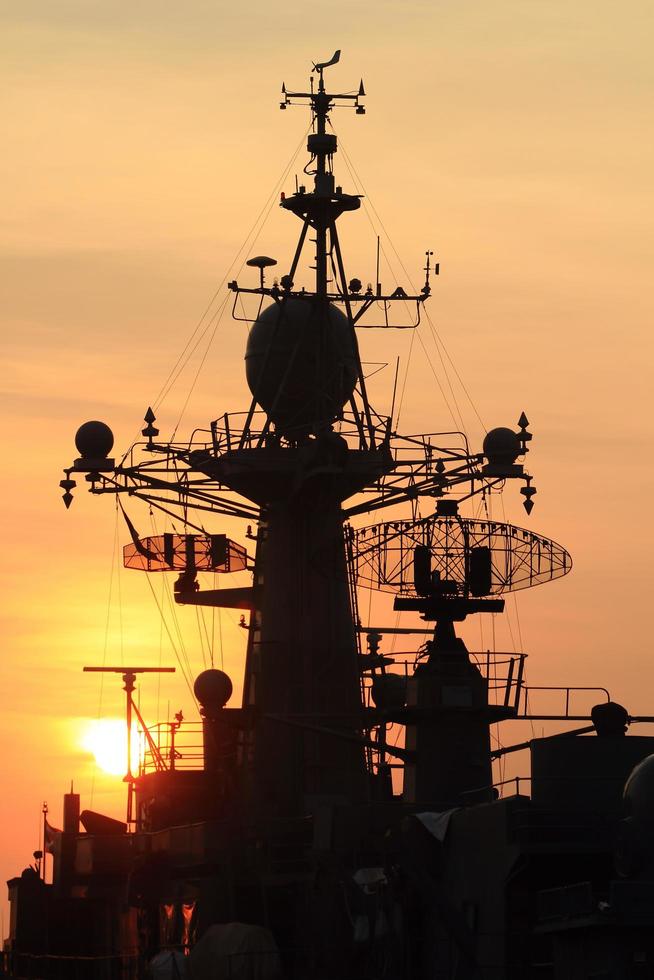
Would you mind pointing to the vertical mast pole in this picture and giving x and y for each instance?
(321, 108)
(129, 679)
(44, 811)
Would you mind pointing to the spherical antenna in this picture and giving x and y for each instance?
(213, 689)
(639, 790)
(94, 440)
(298, 390)
(502, 447)
(610, 719)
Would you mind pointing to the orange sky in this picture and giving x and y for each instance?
(514, 139)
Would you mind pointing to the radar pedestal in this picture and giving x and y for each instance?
(447, 713)
(447, 726)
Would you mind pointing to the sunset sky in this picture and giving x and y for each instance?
(142, 141)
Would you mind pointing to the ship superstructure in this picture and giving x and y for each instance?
(336, 850)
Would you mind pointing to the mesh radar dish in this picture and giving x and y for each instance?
(465, 556)
(181, 552)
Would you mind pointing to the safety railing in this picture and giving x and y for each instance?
(572, 710)
(178, 746)
(503, 673)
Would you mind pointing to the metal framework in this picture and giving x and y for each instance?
(184, 552)
(383, 555)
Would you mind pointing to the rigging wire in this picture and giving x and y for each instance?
(180, 662)
(249, 240)
(458, 423)
(406, 378)
(105, 646)
(182, 658)
(218, 319)
(120, 600)
(203, 622)
(220, 628)
(204, 656)
(160, 659)
(438, 341)
(180, 637)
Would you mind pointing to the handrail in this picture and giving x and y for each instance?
(568, 690)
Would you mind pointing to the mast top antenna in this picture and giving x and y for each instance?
(319, 100)
(335, 58)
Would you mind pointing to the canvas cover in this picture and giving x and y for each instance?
(168, 965)
(235, 951)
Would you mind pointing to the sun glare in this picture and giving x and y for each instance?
(106, 740)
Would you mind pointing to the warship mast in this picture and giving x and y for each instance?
(312, 453)
(291, 823)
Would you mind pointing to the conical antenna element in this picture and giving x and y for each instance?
(149, 431)
(362, 90)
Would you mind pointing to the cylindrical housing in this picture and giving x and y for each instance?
(71, 813)
(321, 143)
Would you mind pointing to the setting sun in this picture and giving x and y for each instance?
(106, 740)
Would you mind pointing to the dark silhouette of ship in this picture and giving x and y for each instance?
(344, 822)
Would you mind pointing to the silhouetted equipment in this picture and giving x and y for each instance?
(181, 552)
(98, 823)
(335, 58)
(345, 821)
(501, 448)
(150, 431)
(129, 675)
(389, 690)
(479, 573)
(610, 719)
(94, 442)
(455, 556)
(213, 689)
(261, 262)
(71, 813)
(422, 570)
(300, 363)
(639, 790)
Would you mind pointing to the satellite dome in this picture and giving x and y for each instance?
(213, 689)
(389, 691)
(610, 719)
(94, 440)
(502, 446)
(639, 790)
(300, 363)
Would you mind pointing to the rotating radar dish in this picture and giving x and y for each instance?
(460, 556)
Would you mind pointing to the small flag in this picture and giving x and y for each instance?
(51, 838)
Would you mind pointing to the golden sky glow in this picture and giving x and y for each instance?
(106, 740)
(513, 138)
